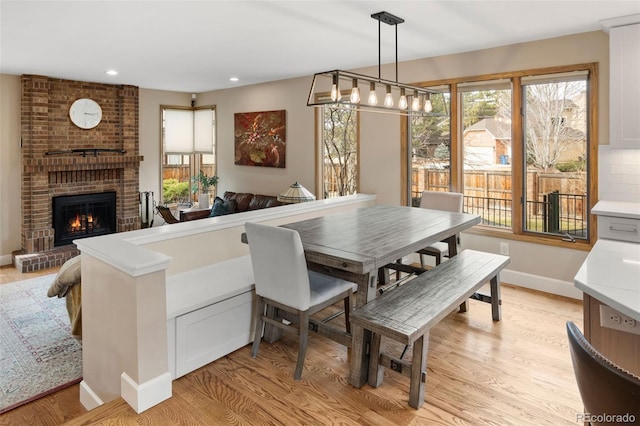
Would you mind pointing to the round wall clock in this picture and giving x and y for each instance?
(85, 113)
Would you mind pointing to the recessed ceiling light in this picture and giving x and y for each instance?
(234, 79)
(112, 72)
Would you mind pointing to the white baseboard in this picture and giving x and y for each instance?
(6, 259)
(145, 395)
(88, 397)
(536, 282)
(522, 279)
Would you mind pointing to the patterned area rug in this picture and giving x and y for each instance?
(38, 354)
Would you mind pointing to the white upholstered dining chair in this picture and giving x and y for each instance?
(438, 200)
(283, 281)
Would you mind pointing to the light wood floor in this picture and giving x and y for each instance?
(514, 372)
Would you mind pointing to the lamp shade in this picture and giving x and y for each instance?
(296, 193)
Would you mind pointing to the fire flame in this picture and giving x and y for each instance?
(78, 223)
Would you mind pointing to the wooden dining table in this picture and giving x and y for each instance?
(354, 245)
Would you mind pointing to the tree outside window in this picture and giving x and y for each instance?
(431, 149)
(339, 168)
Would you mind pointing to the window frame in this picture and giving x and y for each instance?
(457, 173)
(195, 158)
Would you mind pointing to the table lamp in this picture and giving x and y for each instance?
(296, 193)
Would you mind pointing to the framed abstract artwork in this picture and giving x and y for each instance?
(260, 138)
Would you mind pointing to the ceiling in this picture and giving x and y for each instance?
(196, 46)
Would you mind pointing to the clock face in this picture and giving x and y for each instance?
(85, 113)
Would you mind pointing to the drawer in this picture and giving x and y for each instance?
(619, 228)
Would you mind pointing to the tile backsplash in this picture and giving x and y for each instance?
(618, 174)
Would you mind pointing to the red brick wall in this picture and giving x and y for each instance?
(46, 127)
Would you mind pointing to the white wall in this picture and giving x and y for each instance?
(289, 95)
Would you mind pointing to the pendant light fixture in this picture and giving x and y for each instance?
(399, 98)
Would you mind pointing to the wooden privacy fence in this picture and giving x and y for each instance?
(497, 184)
(556, 200)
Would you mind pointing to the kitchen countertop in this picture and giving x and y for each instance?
(617, 209)
(611, 274)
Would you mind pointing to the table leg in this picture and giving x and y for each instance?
(359, 356)
(496, 309)
(383, 276)
(418, 366)
(367, 291)
(452, 241)
(376, 371)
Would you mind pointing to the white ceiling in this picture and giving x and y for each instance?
(196, 46)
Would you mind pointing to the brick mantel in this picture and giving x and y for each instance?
(46, 128)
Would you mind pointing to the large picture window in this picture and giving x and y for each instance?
(555, 152)
(522, 150)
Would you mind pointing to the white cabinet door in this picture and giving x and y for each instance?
(209, 333)
(624, 119)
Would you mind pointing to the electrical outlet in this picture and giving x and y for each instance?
(615, 318)
(610, 318)
(504, 248)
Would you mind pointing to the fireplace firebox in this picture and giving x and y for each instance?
(82, 216)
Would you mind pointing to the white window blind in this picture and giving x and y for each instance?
(475, 86)
(203, 131)
(555, 78)
(188, 131)
(178, 131)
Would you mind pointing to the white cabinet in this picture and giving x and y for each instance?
(624, 78)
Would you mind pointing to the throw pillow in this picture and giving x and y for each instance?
(222, 207)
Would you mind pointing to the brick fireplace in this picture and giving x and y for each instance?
(50, 169)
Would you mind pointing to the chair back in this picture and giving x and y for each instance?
(438, 200)
(279, 266)
(604, 387)
(166, 214)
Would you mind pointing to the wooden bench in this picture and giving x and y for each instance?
(406, 314)
(209, 312)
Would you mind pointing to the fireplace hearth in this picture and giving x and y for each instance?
(83, 216)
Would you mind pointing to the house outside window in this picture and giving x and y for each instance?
(188, 147)
(523, 152)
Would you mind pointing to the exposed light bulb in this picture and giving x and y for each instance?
(388, 99)
(427, 105)
(335, 91)
(355, 93)
(373, 97)
(415, 104)
(355, 96)
(402, 103)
